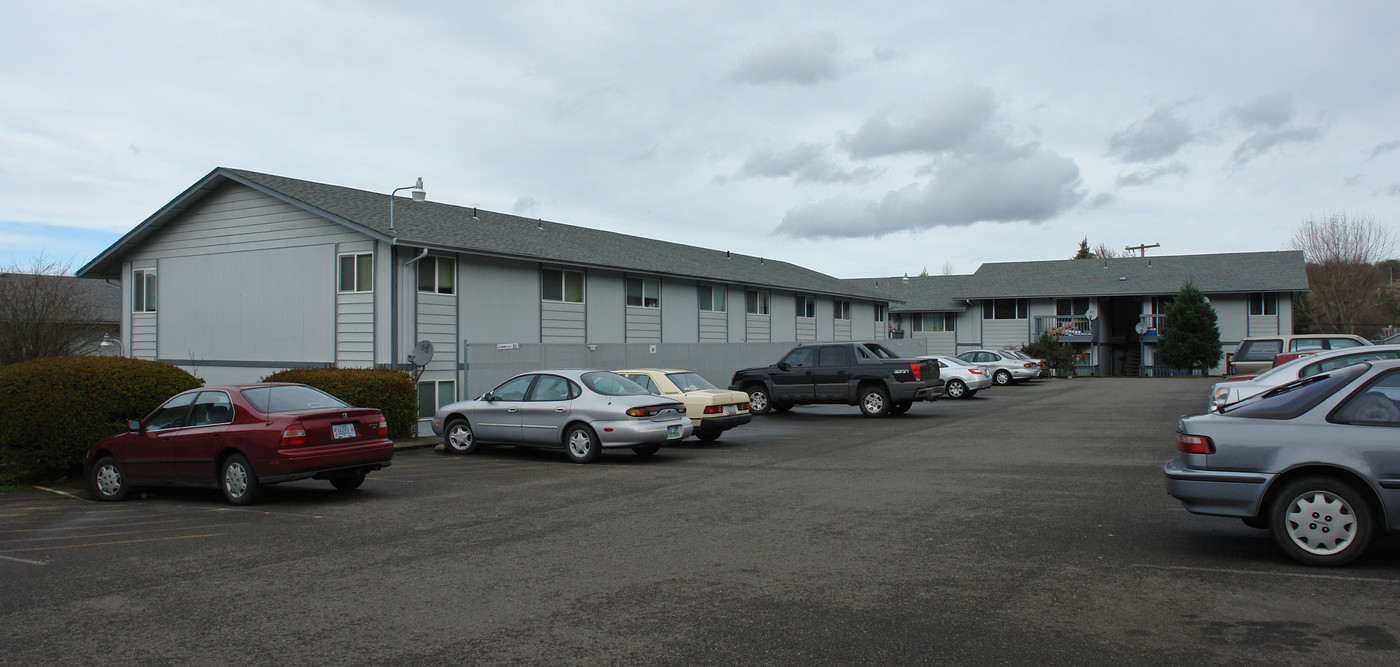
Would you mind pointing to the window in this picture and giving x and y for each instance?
(1005, 309)
(172, 414)
(554, 388)
(1373, 405)
(806, 306)
(563, 286)
(433, 395)
(1068, 307)
(143, 291)
(357, 272)
(834, 357)
(800, 358)
(513, 389)
(437, 275)
(755, 302)
(644, 380)
(711, 298)
(843, 309)
(881, 311)
(932, 322)
(212, 408)
(1160, 304)
(643, 292)
(1261, 303)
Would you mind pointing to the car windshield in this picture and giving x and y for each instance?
(953, 361)
(1281, 369)
(290, 398)
(612, 384)
(1295, 398)
(689, 381)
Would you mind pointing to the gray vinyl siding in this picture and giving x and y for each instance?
(143, 335)
(1263, 325)
(826, 322)
(354, 330)
(1003, 333)
(643, 325)
(736, 303)
(783, 319)
(607, 307)
(562, 322)
(437, 323)
(805, 329)
(758, 328)
(680, 312)
(713, 327)
(841, 330)
(940, 342)
(500, 300)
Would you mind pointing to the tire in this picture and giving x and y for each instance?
(646, 450)
(971, 393)
(956, 389)
(1321, 521)
(760, 403)
(708, 436)
(458, 437)
(238, 481)
(348, 482)
(874, 401)
(1002, 378)
(108, 481)
(900, 408)
(581, 443)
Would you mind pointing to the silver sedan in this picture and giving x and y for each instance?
(963, 379)
(1314, 461)
(578, 411)
(1231, 391)
(1004, 366)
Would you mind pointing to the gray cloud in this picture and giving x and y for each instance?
(1161, 134)
(805, 163)
(805, 60)
(1028, 184)
(526, 206)
(1270, 111)
(1262, 142)
(1148, 175)
(1384, 148)
(946, 124)
(1270, 120)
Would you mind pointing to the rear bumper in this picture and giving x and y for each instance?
(631, 433)
(720, 423)
(321, 461)
(1221, 493)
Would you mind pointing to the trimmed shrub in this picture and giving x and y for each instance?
(53, 409)
(1058, 356)
(392, 392)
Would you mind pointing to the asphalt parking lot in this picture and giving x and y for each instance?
(1026, 526)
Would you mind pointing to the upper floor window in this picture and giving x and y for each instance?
(711, 297)
(1075, 306)
(357, 272)
(143, 291)
(756, 302)
(1005, 309)
(644, 292)
(881, 311)
(1161, 303)
(437, 275)
(932, 322)
(564, 286)
(806, 306)
(843, 309)
(1261, 303)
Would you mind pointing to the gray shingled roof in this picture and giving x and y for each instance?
(464, 229)
(1131, 276)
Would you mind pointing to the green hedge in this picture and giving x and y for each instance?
(53, 409)
(392, 392)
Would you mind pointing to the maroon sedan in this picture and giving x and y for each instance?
(240, 439)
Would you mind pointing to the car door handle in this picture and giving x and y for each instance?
(559, 409)
(511, 409)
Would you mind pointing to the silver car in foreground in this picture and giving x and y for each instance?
(1316, 461)
(578, 411)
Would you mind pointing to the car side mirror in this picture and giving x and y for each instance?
(488, 397)
(134, 425)
(783, 365)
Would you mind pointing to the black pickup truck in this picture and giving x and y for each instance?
(863, 374)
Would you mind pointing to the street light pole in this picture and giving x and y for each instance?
(419, 194)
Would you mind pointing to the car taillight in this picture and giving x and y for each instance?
(383, 427)
(917, 369)
(293, 436)
(973, 371)
(1194, 444)
(743, 406)
(713, 410)
(653, 410)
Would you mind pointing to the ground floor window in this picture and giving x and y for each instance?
(932, 322)
(433, 394)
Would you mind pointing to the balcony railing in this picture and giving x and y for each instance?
(1150, 326)
(1065, 328)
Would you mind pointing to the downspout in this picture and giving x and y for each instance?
(394, 306)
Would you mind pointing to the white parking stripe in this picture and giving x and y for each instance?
(1268, 574)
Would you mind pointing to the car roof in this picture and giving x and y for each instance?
(663, 371)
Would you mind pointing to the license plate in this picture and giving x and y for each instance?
(339, 431)
(673, 432)
(731, 409)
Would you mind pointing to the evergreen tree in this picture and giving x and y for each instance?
(1084, 251)
(1190, 337)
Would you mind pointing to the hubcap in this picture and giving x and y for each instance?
(758, 401)
(109, 480)
(1003, 378)
(955, 389)
(873, 402)
(460, 437)
(580, 443)
(236, 480)
(1320, 523)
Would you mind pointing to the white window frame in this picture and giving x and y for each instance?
(759, 304)
(1266, 302)
(145, 290)
(643, 301)
(358, 274)
(437, 263)
(438, 387)
(842, 309)
(882, 312)
(718, 301)
(563, 285)
(806, 306)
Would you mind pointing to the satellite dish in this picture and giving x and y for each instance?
(1092, 314)
(1140, 328)
(422, 353)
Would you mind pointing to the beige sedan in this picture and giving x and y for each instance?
(711, 410)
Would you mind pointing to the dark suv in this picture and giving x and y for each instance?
(863, 374)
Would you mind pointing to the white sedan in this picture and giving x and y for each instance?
(963, 379)
(1232, 391)
(712, 410)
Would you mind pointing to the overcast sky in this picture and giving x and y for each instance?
(856, 139)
